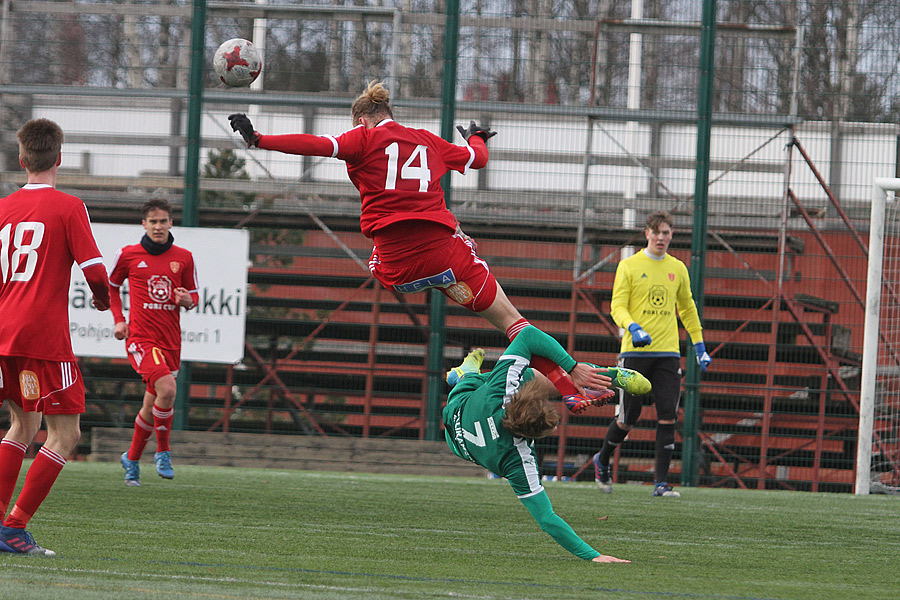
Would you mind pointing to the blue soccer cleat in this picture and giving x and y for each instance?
(132, 471)
(471, 364)
(163, 462)
(661, 489)
(601, 475)
(19, 541)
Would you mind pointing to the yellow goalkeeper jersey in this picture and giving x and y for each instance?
(647, 291)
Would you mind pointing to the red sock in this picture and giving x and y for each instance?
(557, 376)
(162, 423)
(11, 455)
(142, 432)
(43, 472)
(516, 327)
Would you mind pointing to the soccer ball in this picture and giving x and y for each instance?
(237, 62)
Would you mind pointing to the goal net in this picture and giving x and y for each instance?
(878, 450)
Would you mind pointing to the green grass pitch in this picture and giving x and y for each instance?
(246, 534)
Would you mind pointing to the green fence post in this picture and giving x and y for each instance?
(438, 301)
(190, 209)
(690, 446)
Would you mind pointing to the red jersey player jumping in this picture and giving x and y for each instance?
(418, 242)
(42, 233)
(162, 279)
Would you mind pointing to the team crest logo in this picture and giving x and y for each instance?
(29, 386)
(460, 293)
(671, 276)
(657, 296)
(176, 266)
(160, 288)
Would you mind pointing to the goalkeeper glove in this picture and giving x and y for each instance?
(484, 133)
(241, 123)
(578, 403)
(639, 337)
(703, 358)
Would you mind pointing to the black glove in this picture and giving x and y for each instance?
(484, 133)
(241, 123)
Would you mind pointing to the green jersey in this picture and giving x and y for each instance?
(472, 421)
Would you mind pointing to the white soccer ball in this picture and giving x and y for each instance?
(237, 62)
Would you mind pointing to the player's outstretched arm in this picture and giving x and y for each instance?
(585, 375)
(540, 508)
(241, 123)
(484, 133)
(603, 558)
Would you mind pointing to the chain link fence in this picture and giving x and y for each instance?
(596, 107)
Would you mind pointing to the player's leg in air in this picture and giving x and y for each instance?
(593, 391)
(465, 278)
(471, 364)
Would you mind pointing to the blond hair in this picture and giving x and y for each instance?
(529, 414)
(40, 141)
(373, 102)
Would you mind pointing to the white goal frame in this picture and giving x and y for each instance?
(880, 187)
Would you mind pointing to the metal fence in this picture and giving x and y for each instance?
(596, 105)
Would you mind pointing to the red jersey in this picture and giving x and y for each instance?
(42, 233)
(396, 169)
(152, 280)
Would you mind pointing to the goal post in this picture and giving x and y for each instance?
(880, 365)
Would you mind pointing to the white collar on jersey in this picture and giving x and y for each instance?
(36, 186)
(653, 256)
(383, 121)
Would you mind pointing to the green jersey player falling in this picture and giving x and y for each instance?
(493, 418)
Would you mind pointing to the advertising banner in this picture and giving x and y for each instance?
(212, 331)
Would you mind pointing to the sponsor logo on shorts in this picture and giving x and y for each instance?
(447, 278)
(29, 385)
(460, 293)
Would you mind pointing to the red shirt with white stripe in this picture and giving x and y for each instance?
(396, 169)
(43, 231)
(152, 279)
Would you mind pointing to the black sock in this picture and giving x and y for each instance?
(665, 447)
(615, 435)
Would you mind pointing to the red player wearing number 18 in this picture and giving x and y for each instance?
(42, 233)
(418, 242)
(162, 280)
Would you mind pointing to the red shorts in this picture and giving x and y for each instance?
(47, 386)
(151, 362)
(434, 257)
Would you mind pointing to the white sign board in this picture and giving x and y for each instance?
(213, 331)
